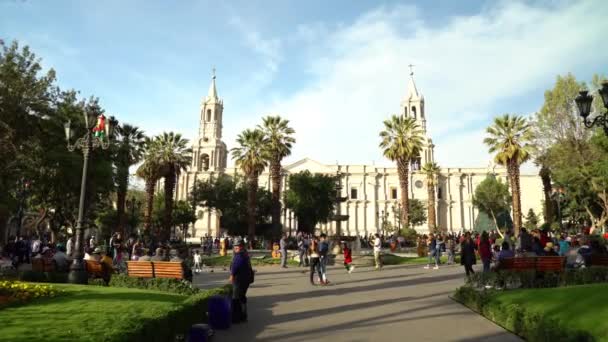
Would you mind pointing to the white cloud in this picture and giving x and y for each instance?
(464, 68)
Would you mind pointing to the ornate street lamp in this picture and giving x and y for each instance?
(98, 133)
(584, 101)
(133, 205)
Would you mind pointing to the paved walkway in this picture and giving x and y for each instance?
(399, 303)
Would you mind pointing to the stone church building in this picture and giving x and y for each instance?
(372, 191)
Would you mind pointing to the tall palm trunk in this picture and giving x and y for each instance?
(513, 170)
(545, 176)
(150, 189)
(403, 172)
(168, 213)
(275, 171)
(121, 197)
(432, 217)
(252, 188)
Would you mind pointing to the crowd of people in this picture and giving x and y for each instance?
(492, 248)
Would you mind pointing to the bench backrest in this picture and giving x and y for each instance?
(524, 263)
(599, 260)
(550, 263)
(167, 269)
(141, 269)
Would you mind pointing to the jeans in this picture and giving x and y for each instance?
(283, 258)
(323, 267)
(239, 302)
(450, 256)
(437, 256)
(468, 268)
(486, 264)
(433, 256)
(303, 257)
(315, 267)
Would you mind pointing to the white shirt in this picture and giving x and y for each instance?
(197, 258)
(377, 245)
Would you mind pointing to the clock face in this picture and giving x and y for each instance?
(205, 139)
(419, 184)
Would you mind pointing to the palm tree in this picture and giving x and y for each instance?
(175, 156)
(402, 141)
(251, 157)
(510, 137)
(130, 151)
(431, 170)
(150, 171)
(279, 140)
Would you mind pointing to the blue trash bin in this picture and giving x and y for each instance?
(220, 312)
(198, 333)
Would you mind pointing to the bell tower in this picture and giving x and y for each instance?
(412, 106)
(210, 153)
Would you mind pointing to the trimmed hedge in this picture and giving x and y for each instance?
(44, 277)
(533, 279)
(176, 321)
(183, 287)
(533, 326)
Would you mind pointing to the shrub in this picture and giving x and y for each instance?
(43, 277)
(183, 287)
(532, 279)
(15, 292)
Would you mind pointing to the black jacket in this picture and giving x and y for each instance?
(467, 253)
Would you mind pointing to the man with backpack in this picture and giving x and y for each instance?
(241, 276)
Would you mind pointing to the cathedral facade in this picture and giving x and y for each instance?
(372, 192)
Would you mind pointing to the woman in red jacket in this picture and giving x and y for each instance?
(485, 251)
(348, 257)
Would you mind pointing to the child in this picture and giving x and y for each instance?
(197, 262)
(348, 258)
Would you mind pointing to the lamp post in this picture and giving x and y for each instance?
(397, 214)
(558, 196)
(97, 135)
(583, 102)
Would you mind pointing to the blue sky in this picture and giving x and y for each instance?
(336, 69)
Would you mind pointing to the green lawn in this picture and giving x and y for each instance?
(582, 308)
(224, 261)
(391, 259)
(84, 313)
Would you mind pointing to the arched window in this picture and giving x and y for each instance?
(204, 162)
(414, 112)
(208, 115)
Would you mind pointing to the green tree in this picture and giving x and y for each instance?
(129, 151)
(492, 198)
(183, 216)
(175, 156)
(511, 138)
(417, 214)
(402, 141)
(228, 197)
(251, 157)
(278, 143)
(311, 198)
(531, 220)
(431, 171)
(151, 170)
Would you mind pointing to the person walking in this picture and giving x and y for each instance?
(283, 250)
(450, 249)
(197, 262)
(485, 251)
(348, 258)
(314, 260)
(432, 245)
(378, 251)
(241, 276)
(323, 258)
(467, 253)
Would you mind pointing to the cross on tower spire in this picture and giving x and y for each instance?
(411, 69)
(213, 72)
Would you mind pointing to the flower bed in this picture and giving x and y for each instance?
(15, 292)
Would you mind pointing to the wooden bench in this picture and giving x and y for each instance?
(140, 269)
(550, 264)
(539, 264)
(155, 269)
(167, 269)
(599, 260)
(43, 265)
